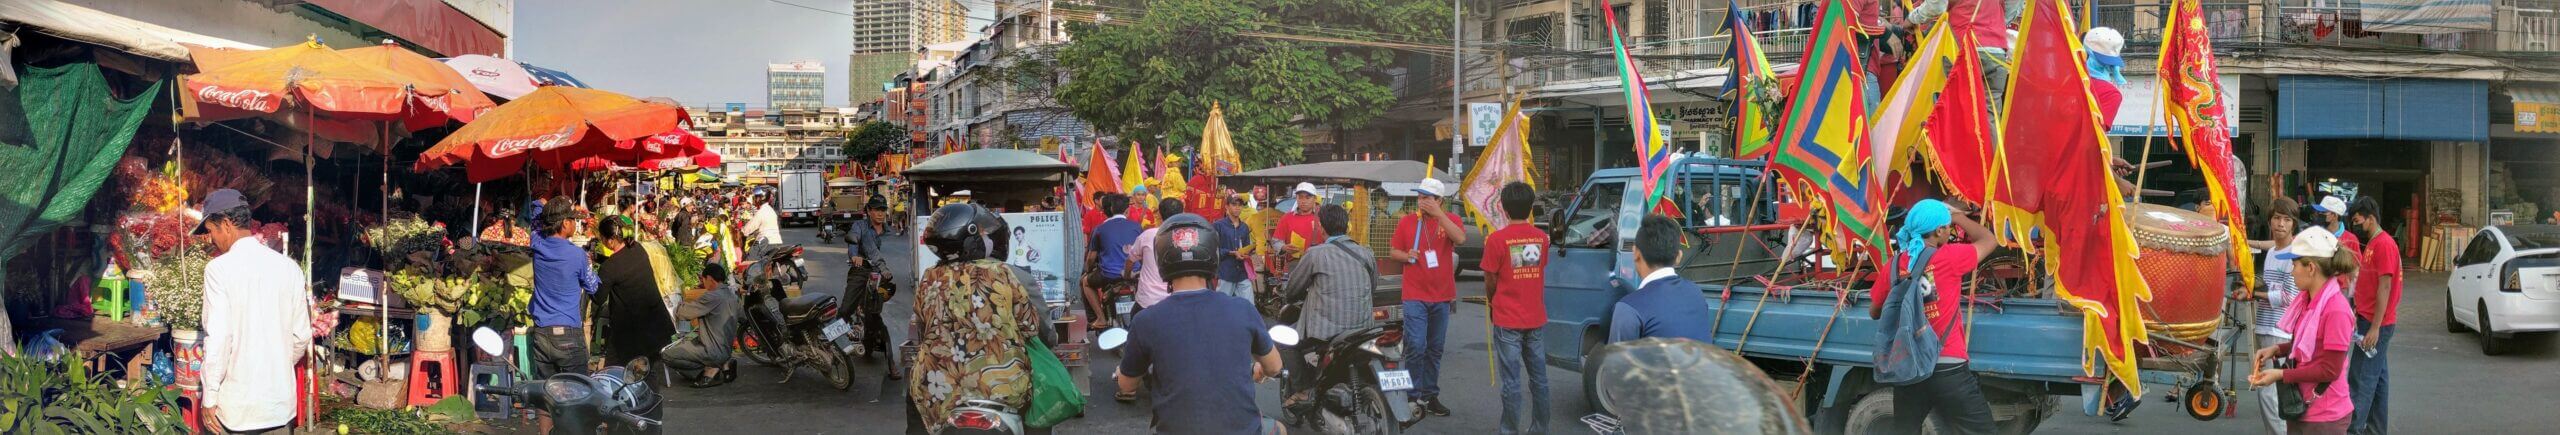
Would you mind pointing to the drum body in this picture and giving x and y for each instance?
(2185, 259)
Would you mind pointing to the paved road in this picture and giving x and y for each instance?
(2442, 383)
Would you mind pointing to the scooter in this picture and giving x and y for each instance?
(1360, 383)
(611, 401)
(827, 229)
(868, 290)
(982, 417)
(811, 330)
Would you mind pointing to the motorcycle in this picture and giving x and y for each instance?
(1122, 295)
(811, 330)
(827, 231)
(976, 417)
(868, 288)
(1360, 383)
(610, 401)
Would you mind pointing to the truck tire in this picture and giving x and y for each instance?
(1591, 372)
(1873, 414)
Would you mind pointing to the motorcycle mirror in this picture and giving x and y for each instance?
(489, 341)
(1284, 335)
(1112, 339)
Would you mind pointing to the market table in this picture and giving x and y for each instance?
(92, 341)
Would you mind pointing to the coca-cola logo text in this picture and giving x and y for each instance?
(509, 147)
(483, 72)
(244, 99)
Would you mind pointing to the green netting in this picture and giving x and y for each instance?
(61, 132)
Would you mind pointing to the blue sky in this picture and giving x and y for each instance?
(700, 52)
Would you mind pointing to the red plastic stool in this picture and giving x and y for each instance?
(432, 376)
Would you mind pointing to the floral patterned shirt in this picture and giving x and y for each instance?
(973, 320)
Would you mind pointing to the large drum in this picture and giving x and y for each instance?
(2185, 258)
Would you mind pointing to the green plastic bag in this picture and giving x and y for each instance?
(1054, 397)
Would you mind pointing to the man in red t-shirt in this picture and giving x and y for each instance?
(1296, 230)
(1426, 242)
(1515, 275)
(1951, 392)
(2377, 301)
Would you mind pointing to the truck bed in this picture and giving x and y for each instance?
(2026, 339)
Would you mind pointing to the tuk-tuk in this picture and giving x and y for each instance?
(845, 198)
(1049, 244)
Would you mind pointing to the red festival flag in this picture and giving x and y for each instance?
(2191, 97)
(2062, 184)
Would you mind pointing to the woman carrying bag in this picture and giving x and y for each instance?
(2310, 371)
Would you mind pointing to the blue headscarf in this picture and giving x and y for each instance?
(2107, 68)
(1913, 238)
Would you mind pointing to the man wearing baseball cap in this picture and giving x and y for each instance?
(1297, 229)
(1425, 242)
(2333, 217)
(257, 322)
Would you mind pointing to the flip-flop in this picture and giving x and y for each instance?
(1125, 396)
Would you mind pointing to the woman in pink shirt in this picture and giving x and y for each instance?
(2323, 327)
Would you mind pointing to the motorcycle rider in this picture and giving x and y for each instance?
(1202, 349)
(864, 239)
(1334, 279)
(973, 322)
(1108, 252)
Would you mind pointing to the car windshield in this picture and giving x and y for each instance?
(2536, 238)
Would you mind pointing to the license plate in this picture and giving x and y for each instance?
(1394, 380)
(1124, 306)
(838, 328)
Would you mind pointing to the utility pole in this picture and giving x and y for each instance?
(1457, 85)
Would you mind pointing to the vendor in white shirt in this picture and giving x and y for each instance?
(257, 323)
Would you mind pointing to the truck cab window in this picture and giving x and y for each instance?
(1592, 223)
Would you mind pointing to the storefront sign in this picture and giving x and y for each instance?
(2537, 108)
(1482, 120)
(2140, 114)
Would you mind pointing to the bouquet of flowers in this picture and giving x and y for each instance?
(176, 286)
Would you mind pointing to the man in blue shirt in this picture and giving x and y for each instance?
(1664, 304)
(1108, 252)
(1202, 350)
(562, 280)
(1234, 237)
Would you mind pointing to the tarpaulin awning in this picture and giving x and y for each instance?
(2325, 107)
(429, 23)
(109, 30)
(2537, 108)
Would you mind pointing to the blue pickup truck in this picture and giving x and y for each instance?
(1805, 335)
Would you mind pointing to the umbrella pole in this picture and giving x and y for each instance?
(475, 210)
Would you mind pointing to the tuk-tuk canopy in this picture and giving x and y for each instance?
(1371, 172)
(990, 165)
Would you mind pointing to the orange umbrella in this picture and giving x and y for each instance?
(464, 102)
(259, 83)
(552, 126)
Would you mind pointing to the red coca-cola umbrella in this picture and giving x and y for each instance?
(552, 127)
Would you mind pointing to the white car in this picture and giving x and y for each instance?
(2506, 282)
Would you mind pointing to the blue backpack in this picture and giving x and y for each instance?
(1906, 347)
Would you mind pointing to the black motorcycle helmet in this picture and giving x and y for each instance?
(1652, 386)
(1186, 246)
(957, 233)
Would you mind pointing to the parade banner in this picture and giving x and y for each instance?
(2192, 96)
(1824, 140)
(2055, 190)
(1652, 153)
(1752, 85)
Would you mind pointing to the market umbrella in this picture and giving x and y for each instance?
(464, 103)
(325, 82)
(551, 127)
(551, 77)
(498, 77)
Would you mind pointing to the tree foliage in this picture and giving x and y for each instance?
(874, 138)
(1155, 67)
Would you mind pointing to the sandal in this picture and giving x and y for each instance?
(1126, 396)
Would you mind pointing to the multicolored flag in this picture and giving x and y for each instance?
(1652, 152)
(1505, 159)
(1937, 111)
(2054, 177)
(1752, 85)
(2191, 97)
(1823, 143)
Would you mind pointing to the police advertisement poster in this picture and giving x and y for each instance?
(1038, 245)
